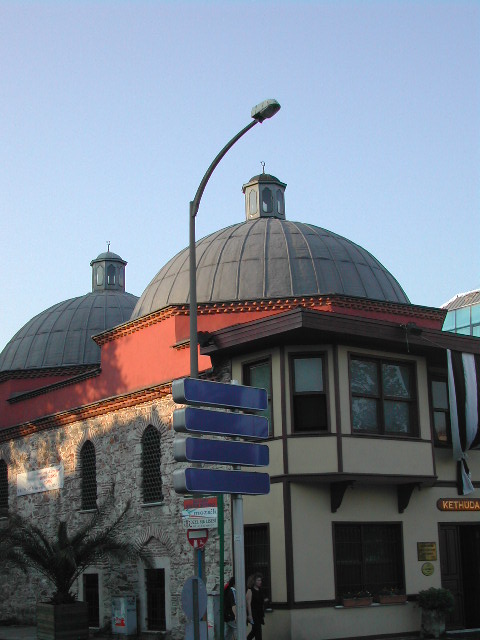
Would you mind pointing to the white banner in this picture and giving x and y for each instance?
(45, 479)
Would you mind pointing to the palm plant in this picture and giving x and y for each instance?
(64, 557)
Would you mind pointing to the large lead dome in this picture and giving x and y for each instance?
(62, 335)
(270, 257)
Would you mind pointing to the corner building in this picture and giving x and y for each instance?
(365, 495)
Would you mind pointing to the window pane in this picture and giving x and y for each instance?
(364, 414)
(397, 417)
(440, 424)
(464, 331)
(259, 375)
(308, 374)
(439, 394)
(449, 324)
(364, 377)
(253, 201)
(279, 201)
(475, 313)
(476, 331)
(310, 412)
(462, 317)
(396, 380)
(267, 200)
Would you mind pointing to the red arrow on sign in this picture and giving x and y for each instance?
(197, 537)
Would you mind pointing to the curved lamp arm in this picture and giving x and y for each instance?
(260, 112)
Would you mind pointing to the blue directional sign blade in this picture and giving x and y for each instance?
(218, 394)
(221, 423)
(220, 452)
(193, 480)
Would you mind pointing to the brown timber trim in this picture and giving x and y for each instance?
(339, 327)
(362, 478)
(338, 420)
(283, 407)
(287, 510)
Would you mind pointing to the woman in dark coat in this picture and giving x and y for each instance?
(255, 606)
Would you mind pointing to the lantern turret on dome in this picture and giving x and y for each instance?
(264, 197)
(108, 272)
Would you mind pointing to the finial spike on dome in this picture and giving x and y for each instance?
(263, 166)
(108, 245)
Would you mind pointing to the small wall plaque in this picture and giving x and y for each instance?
(427, 568)
(427, 550)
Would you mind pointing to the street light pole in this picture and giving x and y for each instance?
(260, 112)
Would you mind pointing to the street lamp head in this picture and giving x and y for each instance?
(265, 109)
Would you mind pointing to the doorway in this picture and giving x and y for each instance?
(460, 570)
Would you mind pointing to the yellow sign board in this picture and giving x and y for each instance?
(458, 504)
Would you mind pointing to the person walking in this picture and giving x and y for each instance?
(255, 606)
(229, 610)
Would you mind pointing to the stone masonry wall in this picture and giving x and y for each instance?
(117, 440)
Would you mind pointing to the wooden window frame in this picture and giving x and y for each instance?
(322, 355)
(438, 377)
(381, 397)
(246, 379)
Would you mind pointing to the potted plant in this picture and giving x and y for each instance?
(435, 604)
(390, 595)
(357, 599)
(62, 559)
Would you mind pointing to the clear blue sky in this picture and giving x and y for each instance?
(110, 112)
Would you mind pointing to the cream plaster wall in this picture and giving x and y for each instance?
(312, 454)
(270, 509)
(362, 454)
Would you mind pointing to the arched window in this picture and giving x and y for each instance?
(89, 476)
(152, 478)
(267, 200)
(3, 488)
(110, 274)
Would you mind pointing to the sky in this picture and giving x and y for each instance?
(111, 112)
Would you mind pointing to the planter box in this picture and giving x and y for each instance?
(392, 599)
(357, 602)
(62, 621)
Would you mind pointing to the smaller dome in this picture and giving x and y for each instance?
(61, 336)
(108, 255)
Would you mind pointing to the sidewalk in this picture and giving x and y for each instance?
(15, 632)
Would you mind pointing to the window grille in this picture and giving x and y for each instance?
(89, 476)
(257, 554)
(368, 557)
(155, 582)
(151, 457)
(3, 488)
(91, 596)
